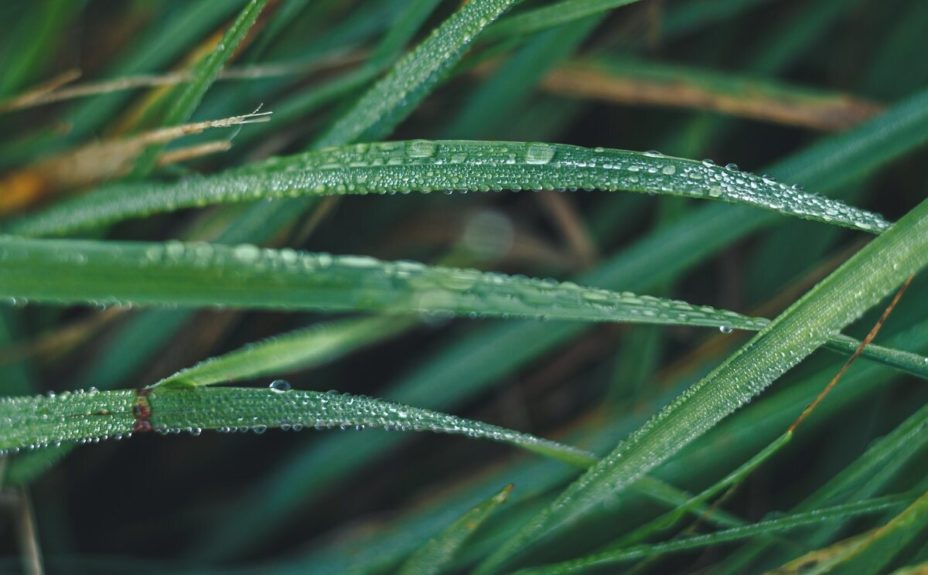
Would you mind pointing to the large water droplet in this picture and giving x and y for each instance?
(247, 253)
(726, 329)
(420, 149)
(280, 386)
(539, 153)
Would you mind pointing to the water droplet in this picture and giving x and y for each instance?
(669, 170)
(279, 386)
(726, 329)
(247, 252)
(420, 149)
(538, 153)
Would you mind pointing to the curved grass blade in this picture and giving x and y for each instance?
(316, 344)
(40, 421)
(429, 166)
(394, 97)
(437, 554)
(835, 302)
(245, 276)
(789, 522)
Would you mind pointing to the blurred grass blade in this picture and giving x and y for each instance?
(202, 77)
(865, 554)
(320, 343)
(429, 166)
(651, 83)
(188, 23)
(437, 554)
(789, 522)
(671, 518)
(31, 44)
(394, 97)
(95, 162)
(832, 304)
(556, 14)
(91, 416)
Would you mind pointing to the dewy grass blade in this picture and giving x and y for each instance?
(430, 166)
(437, 554)
(838, 300)
(489, 354)
(394, 97)
(95, 415)
(245, 276)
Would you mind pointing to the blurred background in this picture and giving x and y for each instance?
(748, 82)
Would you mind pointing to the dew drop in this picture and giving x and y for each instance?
(668, 170)
(538, 153)
(247, 253)
(420, 149)
(726, 329)
(280, 386)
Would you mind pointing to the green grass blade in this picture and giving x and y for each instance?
(246, 276)
(437, 554)
(503, 95)
(429, 166)
(789, 522)
(187, 22)
(835, 302)
(320, 343)
(479, 359)
(550, 16)
(875, 552)
(671, 518)
(31, 43)
(203, 75)
(91, 416)
(394, 97)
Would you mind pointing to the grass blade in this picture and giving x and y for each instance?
(249, 277)
(394, 97)
(316, 344)
(835, 302)
(786, 523)
(203, 76)
(91, 416)
(550, 16)
(436, 556)
(429, 166)
(865, 554)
